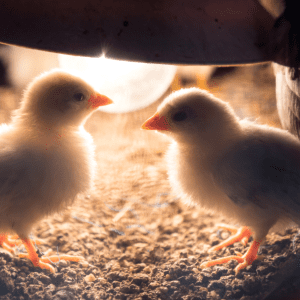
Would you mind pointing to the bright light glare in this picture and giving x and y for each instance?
(130, 85)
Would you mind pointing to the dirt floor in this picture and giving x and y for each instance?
(138, 239)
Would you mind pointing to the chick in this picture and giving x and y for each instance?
(46, 156)
(245, 171)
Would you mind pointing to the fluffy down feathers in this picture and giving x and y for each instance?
(247, 172)
(46, 156)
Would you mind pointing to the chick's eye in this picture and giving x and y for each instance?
(79, 97)
(180, 116)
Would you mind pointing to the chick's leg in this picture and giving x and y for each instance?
(43, 262)
(33, 256)
(244, 260)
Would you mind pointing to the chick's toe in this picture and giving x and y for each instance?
(14, 240)
(6, 243)
(44, 262)
(33, 256)
(240, 235)
(245, 260)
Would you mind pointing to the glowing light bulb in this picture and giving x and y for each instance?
(130, 85)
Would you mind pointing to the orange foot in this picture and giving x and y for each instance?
(242, 234)
(43, 262)
(8, 242)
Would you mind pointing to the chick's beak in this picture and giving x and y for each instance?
(97, 100)
(156, 123)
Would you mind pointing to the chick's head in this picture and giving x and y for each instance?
(192, 114)
(58, 99)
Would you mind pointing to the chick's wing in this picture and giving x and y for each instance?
(21, 174)
(264, 173)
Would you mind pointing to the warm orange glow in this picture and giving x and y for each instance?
(131, 85)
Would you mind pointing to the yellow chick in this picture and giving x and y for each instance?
(245, 171)
(46, 156)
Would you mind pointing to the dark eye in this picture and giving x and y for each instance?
(79, 97)
(180, 116)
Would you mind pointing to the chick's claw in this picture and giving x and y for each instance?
(64, 257)
(6, 244)
(237, 232)
(243, 260)
(9, 241)
(44, 262)
(222, 260)
(33, 256)
(240, 235)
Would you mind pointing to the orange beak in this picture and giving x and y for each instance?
(156, 123)
(97, 100)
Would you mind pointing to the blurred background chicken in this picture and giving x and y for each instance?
(46, 156)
